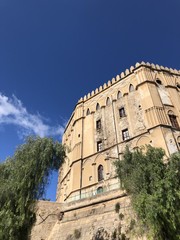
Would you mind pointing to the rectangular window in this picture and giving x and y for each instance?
(99, 146)
(173, 121)
(122, 112)
(125, 134)
(98, 124)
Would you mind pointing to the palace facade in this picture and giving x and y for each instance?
(140, 106)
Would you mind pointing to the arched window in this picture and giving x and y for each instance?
(88, 112)
(173, 119)
(119, 95)
(131, 88)
(97, 106)
(99, 190)
(108, 102)
(100, 173)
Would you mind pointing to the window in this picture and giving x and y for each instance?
(125, 134)
(131, 88)
(122, 112)
(100, 173)
(99, 190)
(98, 124)
(108, 102)
(119, 95)
(90, 178)
(158, 81)
(97, 106)
(88, 112)
(99, 146)
(173, 119)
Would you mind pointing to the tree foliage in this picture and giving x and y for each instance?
(23, 179)
(154, 187)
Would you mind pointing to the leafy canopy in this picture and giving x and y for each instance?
(24, 178)
(154, 188)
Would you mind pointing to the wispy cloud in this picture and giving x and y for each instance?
(13, 112)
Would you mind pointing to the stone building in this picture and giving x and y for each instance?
(140, 106)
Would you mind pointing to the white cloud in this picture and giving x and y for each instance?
(13, 112)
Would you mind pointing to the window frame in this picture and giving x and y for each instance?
(173, 121)
(99, 146)
(122, 112)
(100, 173)
(98, 125)
(125, 134)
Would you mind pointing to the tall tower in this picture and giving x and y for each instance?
(140, 106)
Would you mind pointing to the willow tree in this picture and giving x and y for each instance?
(23, 180)
(154, 189)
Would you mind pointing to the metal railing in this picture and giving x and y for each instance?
(87, 193)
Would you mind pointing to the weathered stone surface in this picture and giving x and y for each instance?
(100, 127)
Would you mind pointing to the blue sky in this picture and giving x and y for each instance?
(54, 52)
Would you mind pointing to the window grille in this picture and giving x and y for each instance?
(99, 146)
(125, 134)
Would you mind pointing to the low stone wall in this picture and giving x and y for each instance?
(46, 218)
(87, 219)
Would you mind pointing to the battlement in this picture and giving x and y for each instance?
(124, 74)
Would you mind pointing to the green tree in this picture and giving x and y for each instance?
(154, 188)
(23, 179)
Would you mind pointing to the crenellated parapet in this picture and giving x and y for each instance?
(126, 73)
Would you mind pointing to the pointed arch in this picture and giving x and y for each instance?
(131, 88)
(88, 112)
(99, 190)
(108, 101)
(119, 95)
(100, 173)
(97, 106)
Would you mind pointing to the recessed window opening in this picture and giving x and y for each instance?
(100, 173)
(125, 134)
(99, 190)
(88, 112)
(131, 88)
(119, 95)
(97, 106)
(98, 124)
(122, 112)
(108, 102)
(173, 119)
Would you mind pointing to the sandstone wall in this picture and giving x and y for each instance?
(46, 218)
(89, 219)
